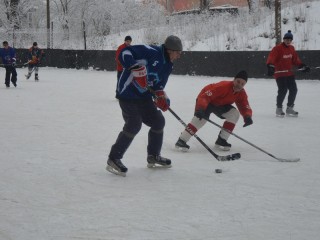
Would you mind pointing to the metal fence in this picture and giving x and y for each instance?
(190, 63)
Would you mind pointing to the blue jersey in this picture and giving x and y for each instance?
(158, 66)
(7, 55)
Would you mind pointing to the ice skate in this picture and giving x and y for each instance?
(36, 77)
(158, 161)
(222, 144)
(116, 166)
(280, 113)
(28, 76)
(291, 112)
(182, 145)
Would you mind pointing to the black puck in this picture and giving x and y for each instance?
(218, 170)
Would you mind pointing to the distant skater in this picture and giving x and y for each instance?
(280, 64)
(34, 60)
(8, 56)
(127, 42)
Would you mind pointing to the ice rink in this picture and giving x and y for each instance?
(56, 135)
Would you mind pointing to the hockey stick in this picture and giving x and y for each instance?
(296, 70)
(230, 157)
(285, 71)
(34, 68)
(315, 67)
(16, 65)
(271, 155)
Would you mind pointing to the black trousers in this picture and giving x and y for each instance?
(218, 110)
(10, 72)
(286, 84)
(134, 113)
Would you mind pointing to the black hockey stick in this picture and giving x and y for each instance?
(29, 73)
(296, 70)
(15, 65)
(271, 155)
(315, 67)
(230, 157)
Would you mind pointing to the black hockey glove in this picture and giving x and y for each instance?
(247, 121)
(270, 70)
(200, 113)
(304, 68)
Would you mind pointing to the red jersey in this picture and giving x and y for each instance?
(119, 66)
(222, 93)
(283, 58)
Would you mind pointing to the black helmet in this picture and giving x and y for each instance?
(173, 43)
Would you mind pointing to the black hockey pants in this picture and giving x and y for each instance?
(11, 70)
(136, 112)
(285, 84)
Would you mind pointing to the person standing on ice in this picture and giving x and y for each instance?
(127, 43)
(140, 92)
(218, 98)
(8, 55)
(280, 62)
(34, 60)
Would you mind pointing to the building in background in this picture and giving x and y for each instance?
(186, 5)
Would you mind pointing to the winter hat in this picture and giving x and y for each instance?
(173, 43)
(243, 75)
(35, 44)
(288, 35)
(128, 38)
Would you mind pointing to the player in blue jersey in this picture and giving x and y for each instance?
(8, 55)
(140, 91)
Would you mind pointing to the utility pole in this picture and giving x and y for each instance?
(203, 4)
(168, 6)
(84, 35)
(277, 8)
(48, 24)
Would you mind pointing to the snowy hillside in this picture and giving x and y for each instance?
(244, 32)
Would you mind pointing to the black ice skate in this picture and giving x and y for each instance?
(36, 77)
(291, 112)
(116, 166)
(28, 76)
(182, 145)
(222, 144)
(280, 113)
(158, 161)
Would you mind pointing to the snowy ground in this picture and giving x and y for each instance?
(56, 134)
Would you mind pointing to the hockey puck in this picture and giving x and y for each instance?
(218, 170)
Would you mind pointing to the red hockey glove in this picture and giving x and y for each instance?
(162, 101)
(140, 76)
